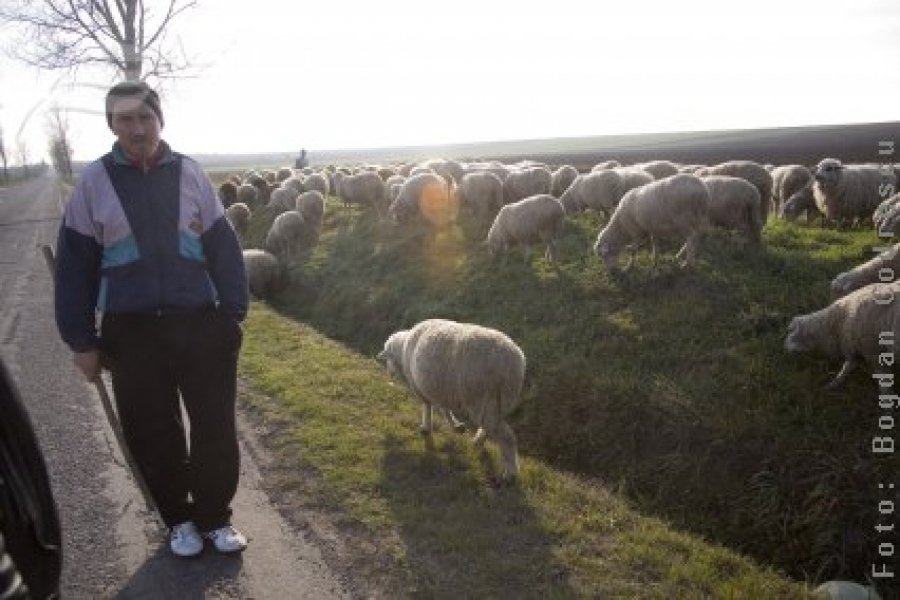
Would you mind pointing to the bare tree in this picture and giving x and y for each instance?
(60, 145)
(127, 36)
(3, 157)
(24, 155)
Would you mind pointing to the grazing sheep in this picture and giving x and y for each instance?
(659, 169)
(526, 181)
(753, 172)
(283, 198)
(734, 205)
(601, 190)
(482, 192)
(531, 220)
(883, 268)
(317, 182)
(787, 180)
(886, 217)
(853, 328)
(561, 179)
(266, 275)
(423, 194)
(238, 214)
(288, 233)
(295, 182)
(228, 193)
(465, 369)
(848, 194)
(249, 195)
(365, 188)
(283, 173)
(311, 205)
(675, 207)
(801, 202)
(845, 590)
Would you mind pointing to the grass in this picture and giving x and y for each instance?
(661, 417)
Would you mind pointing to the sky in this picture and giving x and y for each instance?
(280, 76)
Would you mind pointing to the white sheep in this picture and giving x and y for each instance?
(248, 194)
(675, 207)
(288, 233)
(853, 328)
(238, 214)
(481, 192)
(753, 172)
(801, 202)
(787, 180)
(311, 205)
(365, 188)
(266, 275)
(606, 164)
(848, 194)
(882, 268)
(317, 182)
(536, 219)
(423, 194)
(886, 217)
(283, 198)
(465, 369)
(561, 179)
(734, 205)
(602, 189)
(526, 181)
(659, 169)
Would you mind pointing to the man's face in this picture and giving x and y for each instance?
(136, 127)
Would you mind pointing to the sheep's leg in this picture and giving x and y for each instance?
(458, 425)
(506, 439)
(689, 250)
(846, 369)
(479, 438)
(425, 427)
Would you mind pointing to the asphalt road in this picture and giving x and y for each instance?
(113, 547)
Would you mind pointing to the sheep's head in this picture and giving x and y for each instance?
(608, 250)
(796, 341)
(828, 173)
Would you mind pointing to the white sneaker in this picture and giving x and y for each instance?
(185, 540)
(227, 539)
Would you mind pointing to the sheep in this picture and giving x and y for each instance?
(787, 180)
(311, 205)
(854, 328)
(601, 190)
(238, 214)
(734, 205)
(295, 182)
(885, 266)
(283, 173)
(674, 207)
(801, 202)
(266, 275)
(283, 198)
(849, 193)
(288, 233)
(606, 164)
(365, 188)
(248, 194)
(837, 589)
(464, 369)
(526, 181)
(561, 179)
(534, 219)
(425, 194)
(753, 172)
(659, 169)
(317, 182)
(482, 192)
(228, 193)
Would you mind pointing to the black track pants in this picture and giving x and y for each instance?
(154, 360)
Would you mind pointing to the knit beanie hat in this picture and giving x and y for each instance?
(133, 89)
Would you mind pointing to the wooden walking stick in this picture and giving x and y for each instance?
(111, 416)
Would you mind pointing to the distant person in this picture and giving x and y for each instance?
(301, 162)
(145, 242)
(30, 536)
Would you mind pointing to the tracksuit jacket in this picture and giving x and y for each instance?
(135, 242)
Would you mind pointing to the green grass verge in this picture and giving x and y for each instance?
(430, 520)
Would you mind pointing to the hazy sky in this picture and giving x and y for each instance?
(351, 73)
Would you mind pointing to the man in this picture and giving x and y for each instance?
(145, 244)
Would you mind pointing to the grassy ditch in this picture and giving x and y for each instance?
(670, 387)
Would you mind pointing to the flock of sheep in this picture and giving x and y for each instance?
(477, 372)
